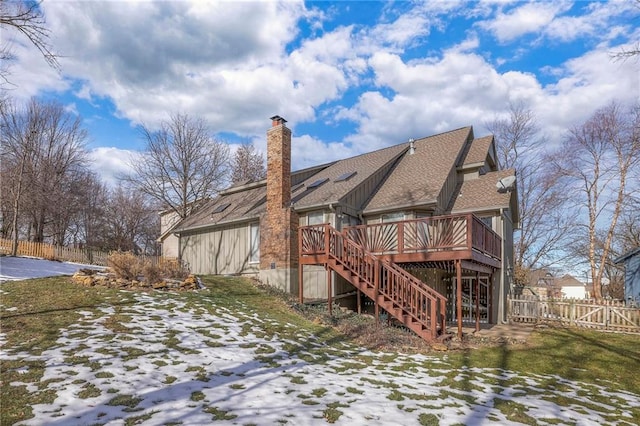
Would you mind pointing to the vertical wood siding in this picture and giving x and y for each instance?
(219, 252)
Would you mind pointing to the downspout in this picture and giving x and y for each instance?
(502, 301)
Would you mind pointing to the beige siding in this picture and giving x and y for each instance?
(315, 282)
(355, 199)
(170, 246)
(220, 251)
(447, 191)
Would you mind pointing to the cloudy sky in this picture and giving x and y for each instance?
(348, 76)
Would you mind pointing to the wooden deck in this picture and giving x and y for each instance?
(370, 258)
(432, 239)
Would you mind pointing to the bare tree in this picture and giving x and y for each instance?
(132, 221)
(42, 153)
(595, 164)
(540, 199)
(247, 165)
(18, 141)
(26, 19)
(624, 54)
(182, 165)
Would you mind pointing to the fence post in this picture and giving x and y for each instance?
(572, 312)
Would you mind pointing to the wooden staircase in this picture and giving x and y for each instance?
(403, 296)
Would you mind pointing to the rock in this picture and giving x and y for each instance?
(440, 347)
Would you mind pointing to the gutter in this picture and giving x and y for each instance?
(216, 224)
(426, 204)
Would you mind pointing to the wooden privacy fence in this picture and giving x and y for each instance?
(66, 254)
(609, 315)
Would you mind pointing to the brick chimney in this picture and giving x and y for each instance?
(278, 164)
(279, 224)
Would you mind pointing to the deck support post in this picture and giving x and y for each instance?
(490, 304)
(300, 283)
(477, 301)
(329, 290)
(459, 297)
(359, 301)
(376, 283)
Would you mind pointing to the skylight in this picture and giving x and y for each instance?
(221, 208)
(317, 183)
(345, 176)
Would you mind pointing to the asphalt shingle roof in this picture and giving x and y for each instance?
(418, 178)
(482, 193)
(363, 165)
(478, 150)
(415, 179)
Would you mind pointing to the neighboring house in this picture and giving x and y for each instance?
(169, 240)
(437, 207)
(542, 283)
(631, 261)
(571, 288)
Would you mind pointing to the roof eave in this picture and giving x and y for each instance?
(216, 224)
(627, 255)
(422, 205)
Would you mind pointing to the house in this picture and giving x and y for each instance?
(169, 240)
(631, 261)
(542, 283)
(571, 288)
(422, 229)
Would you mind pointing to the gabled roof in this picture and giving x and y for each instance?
(478, 151)
(242, 205)
(333, 189)
(396, 177)
(481, 193)
(418, 178)
(628, 255)
(569, 280)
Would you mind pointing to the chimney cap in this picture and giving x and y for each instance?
(277, 120)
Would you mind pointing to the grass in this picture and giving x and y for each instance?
(35, 311)
(574, 354)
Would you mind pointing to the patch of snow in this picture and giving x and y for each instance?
(23, 268)
(181, 360)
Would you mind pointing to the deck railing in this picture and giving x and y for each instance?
(407, 293)
(429, 234)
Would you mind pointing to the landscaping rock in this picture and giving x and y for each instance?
(91, 277)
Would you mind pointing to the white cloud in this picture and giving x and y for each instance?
(110, 163)
(528, 18)
(219, 60)
(463, 89)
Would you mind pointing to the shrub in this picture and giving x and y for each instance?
(125, 265)
(174, 269)
(152, 273)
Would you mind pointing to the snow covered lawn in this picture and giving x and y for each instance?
(22, 268)
(178, 359)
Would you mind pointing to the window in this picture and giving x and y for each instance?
(254, 243)
(345, 176)
(392, 217)
(487, 220)
(317, 183)
(221, 208)
(315, 218)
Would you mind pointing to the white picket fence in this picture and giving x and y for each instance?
(608, 315)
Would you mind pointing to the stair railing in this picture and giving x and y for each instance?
(407, 293)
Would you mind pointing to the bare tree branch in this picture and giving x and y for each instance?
(247, 165)
(542, 224)
(26, 19)
(182, 165)
(596, 164)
